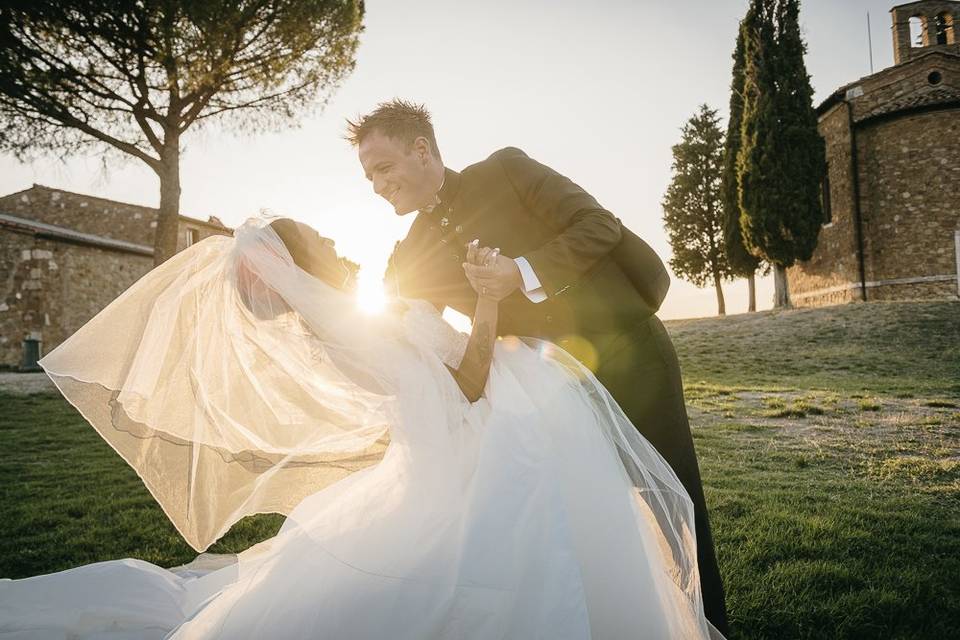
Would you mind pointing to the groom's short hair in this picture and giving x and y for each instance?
(399, 119)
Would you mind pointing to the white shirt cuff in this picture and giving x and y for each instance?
(531, 283)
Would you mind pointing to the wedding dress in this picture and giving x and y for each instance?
(235, 383)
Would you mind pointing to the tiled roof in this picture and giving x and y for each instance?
(936, 96)
(212, 221)
(840, 93)
(44, 230)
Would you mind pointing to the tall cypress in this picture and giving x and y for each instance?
(805, 161)
(742, 263)
(781, 160)
(755, 181)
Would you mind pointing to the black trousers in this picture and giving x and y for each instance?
(639, 368)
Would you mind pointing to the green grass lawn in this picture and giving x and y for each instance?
(829, 443)
(883, 347)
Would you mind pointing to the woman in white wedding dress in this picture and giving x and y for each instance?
(437, 485)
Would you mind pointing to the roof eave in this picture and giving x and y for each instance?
(54, 232)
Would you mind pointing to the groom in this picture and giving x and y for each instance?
(575, 276)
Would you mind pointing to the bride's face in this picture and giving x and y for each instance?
(314, 253)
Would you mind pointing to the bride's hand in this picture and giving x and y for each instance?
(481, 256)
(491, 275)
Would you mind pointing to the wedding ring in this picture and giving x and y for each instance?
(483, 290)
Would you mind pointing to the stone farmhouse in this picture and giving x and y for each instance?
(65, 256)
(892, 191)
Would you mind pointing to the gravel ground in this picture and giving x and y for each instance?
(25, 383)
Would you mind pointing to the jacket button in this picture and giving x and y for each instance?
(549, 318)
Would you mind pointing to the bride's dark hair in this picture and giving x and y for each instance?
(317, 258)
(309, 251)
(293, 240)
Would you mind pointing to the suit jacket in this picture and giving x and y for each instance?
(598, 276)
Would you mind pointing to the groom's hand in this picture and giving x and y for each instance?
(493, 278)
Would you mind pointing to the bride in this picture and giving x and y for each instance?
(436, 485)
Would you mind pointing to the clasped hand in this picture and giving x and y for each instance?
(490, 274)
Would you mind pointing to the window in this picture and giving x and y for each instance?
(825, 198)
(193, 237)
(916, 31)
(944, 28)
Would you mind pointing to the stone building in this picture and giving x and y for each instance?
(65, 256)
(892, 192)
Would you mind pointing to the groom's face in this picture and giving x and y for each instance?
(398, 171)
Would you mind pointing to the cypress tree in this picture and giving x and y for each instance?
(756, 190)
(742, 262)
(805, 161)
(781, 161)
(693, 204)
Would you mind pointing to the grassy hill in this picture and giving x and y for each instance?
(884, 347)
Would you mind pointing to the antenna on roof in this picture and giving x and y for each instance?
(870, 42)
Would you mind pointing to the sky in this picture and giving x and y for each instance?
(598, 91)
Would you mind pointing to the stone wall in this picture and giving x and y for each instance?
(822, 297)
(911, 197)
(914, 291)
(49, 289)
(910, 207)
(828, 277)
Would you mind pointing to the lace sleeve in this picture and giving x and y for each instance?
(425, 327)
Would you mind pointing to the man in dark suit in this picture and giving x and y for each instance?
(575, 276)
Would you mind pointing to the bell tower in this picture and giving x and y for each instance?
(919, 27)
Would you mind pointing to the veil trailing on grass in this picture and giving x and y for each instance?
(230, 380)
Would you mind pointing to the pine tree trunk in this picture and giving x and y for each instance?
(721, 306)
(168, 220)
(781, 292)
(752, 285)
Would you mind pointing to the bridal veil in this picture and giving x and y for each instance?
(232, 381)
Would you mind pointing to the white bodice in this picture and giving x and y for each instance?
(425, 327)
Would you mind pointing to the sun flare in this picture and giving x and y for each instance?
(370, 296)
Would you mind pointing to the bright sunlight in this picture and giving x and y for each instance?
(370, 296)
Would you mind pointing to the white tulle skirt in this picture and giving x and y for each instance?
(518, 522)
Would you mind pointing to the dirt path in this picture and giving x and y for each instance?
(25, 383)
